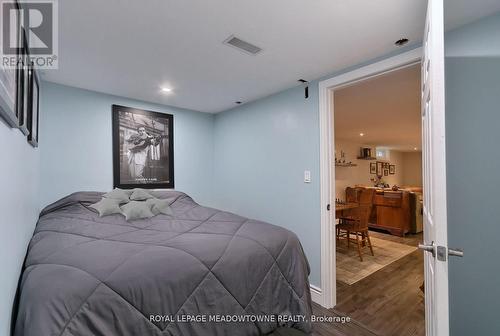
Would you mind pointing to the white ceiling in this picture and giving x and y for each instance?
(132, 48)
(386, 109)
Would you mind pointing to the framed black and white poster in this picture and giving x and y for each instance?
(33, 116)
(8, 95)
(143, 148)
(10, 74)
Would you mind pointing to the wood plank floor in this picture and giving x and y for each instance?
(352, 328)
(389, 301)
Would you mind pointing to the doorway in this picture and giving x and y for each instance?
(378, 202)
(435, 245)
(326, 295)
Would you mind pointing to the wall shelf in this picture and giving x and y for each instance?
(337, 164)
(366, 158)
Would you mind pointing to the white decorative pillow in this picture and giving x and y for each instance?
(107, 206)
(118, 194)
(140, 195)
(137, 210)
(160, 206)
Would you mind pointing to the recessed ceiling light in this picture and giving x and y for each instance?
(361, 134)
(415, 148)
(401, 42)
(166, 89)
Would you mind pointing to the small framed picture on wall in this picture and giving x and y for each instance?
(392, 169)
(34, 99)
(373, 168)
(380, 167)
(24, 82)
(386, 172)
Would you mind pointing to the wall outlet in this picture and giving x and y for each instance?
(307, 176)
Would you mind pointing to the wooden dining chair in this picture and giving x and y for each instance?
(352, 195)
(356, 223)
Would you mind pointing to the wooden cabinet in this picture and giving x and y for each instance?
(391, 212)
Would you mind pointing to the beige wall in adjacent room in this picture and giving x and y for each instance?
(351, 176)
(412, 169)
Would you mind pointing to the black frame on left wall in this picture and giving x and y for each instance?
(9, 101)
(33, 120)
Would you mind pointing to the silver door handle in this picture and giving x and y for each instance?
(456, 252)
(428, 247)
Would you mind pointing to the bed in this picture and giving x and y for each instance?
(200, 271)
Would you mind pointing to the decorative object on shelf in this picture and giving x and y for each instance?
(395, 188)
(365, 153)
(34, 99)
(143, 148)
(346, 164)
(342, 161)
(386, 172)
(373, 167)
(392, 169)
(380, 167)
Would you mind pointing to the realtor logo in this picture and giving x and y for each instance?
(29, 28)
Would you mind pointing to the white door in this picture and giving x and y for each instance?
(434, 173)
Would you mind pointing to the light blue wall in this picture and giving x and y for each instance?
(76, 144)
(473, 139)
(261, 152)
(18, 211)
(473, 164)
(477, 39)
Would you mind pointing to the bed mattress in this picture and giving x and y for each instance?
(200, 271)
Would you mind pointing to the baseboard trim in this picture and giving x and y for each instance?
(316, 295)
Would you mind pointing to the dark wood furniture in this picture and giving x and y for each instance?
(391, 212)
(355, 222)
(340, 208)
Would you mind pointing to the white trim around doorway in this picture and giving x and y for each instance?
(326, 295)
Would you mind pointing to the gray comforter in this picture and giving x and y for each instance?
(193, 273)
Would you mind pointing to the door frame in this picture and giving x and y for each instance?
(326, 296)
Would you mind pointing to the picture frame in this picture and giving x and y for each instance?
(143, 148)
(392, 169)
(9, 82)
(386, 172)
(24, 83)
(386, 165)
(380, 167)
(34, 107)
(373, 168)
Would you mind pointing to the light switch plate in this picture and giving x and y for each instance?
(307, 176)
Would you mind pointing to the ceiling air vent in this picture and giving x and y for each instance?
(244, 46)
